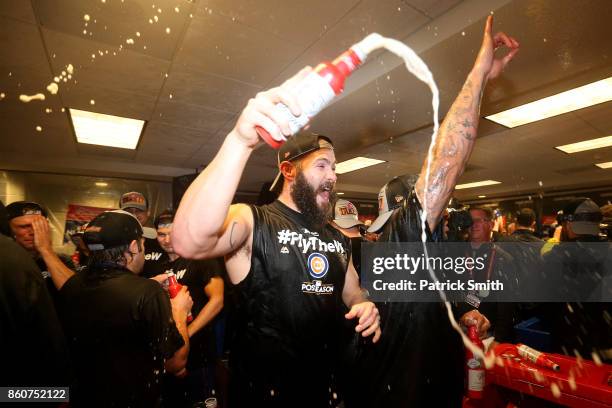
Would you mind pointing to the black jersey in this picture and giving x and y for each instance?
(66, 260)
(33, 349)
(120, 329)
(418, 361)
(288, 311)
(155, 257)
(196, 274)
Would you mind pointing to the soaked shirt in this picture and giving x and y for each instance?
(418, 361)
(288, 311)
(155, 258)
(196, 274)
(120, 329)
(46, 275)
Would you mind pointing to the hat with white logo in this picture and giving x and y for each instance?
(346, 215)
(133, 199)
(21, 208)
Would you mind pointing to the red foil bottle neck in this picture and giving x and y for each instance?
(347, 62)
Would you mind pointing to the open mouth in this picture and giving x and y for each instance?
(325, 192)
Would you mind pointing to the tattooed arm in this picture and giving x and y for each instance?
(457, 132)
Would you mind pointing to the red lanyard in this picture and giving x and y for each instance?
(489, 269)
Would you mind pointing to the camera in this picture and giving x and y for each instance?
(459, 223)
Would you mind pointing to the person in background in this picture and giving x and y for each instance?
(123, 331)
(525, 226)
(30, 229)
(137, 204)
(202, 279)
(33, 348)
(579, 328)
(346, 220)
(499, 265)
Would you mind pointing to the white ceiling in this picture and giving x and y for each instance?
(190, 84)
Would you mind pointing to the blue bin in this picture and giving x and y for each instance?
(532, 333)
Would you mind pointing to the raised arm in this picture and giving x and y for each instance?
(59, 272)
(457, 133)
(205, 225)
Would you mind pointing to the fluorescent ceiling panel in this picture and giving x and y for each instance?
(586, 145)
(356, 164)
(477, 184)
(568, 101)
(106, 130)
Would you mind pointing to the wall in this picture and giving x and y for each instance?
(56, 191)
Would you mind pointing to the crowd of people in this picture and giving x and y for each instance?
(285, 278)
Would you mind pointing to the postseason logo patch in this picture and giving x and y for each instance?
(318, 265)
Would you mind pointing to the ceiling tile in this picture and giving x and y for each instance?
(172, 112)
(285, 20)
(208, 90)
(127, 71)
(107, 101)
(432, 8)
(112, 23)
(367, 17)
(20, 10)
(216, 45)
(22, 48)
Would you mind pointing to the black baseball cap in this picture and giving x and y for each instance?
(21, 208)
(525, 217)
(165, 218)
(390, 197)
(584, 215)
(112, 229)
(298, 146)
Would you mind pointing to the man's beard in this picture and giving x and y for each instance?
(305, 198)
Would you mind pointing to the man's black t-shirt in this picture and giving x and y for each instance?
(155, 258)
(288, 311)
(196, 274)
(47, 275)
(418, 361)
(120, 329)
(32, 346)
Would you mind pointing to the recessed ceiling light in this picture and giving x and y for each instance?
(606, 165)
(482, 196)
(568, 101)
(356, 164)
(339, 193)
(477, 184)
(586, 145)
(106, 130)
(101, 184)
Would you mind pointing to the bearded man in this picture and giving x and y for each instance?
(291, 269)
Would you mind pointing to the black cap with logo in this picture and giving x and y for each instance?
(21, 208)
(112, 229)
(297, 146)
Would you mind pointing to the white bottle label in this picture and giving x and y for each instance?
(476, 379)
(314, 93)
(529, 353)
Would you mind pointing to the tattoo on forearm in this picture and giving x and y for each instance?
(454, 146)
(231, 241)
